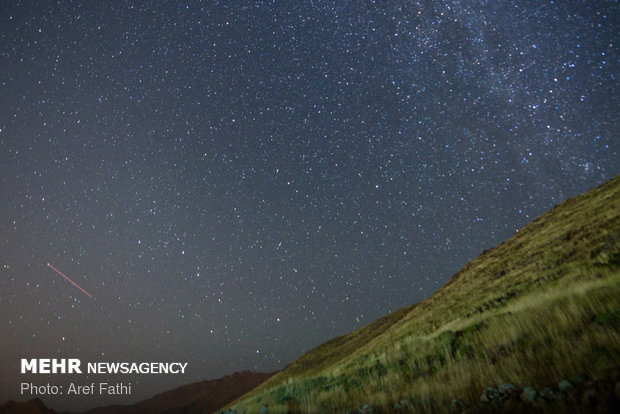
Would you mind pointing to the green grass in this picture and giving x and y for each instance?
(541, 307)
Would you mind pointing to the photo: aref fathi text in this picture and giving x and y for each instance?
(102, 388)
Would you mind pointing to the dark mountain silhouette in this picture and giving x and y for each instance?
(199, 397)
(34, 406)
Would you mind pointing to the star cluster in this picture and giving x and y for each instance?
(236, 182)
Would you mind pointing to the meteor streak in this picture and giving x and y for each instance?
(72, 282)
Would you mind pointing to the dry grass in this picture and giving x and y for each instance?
(543, 306)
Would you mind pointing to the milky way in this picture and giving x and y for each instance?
(238, 182)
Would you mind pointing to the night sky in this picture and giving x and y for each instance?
(237, 182)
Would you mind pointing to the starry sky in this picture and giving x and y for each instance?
(236, 182)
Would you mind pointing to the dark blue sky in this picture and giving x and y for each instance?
(238, 182)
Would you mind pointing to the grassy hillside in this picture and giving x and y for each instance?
(542, 307)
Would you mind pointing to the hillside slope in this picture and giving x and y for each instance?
(542, 307)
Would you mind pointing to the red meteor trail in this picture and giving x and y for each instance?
(72, 282)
